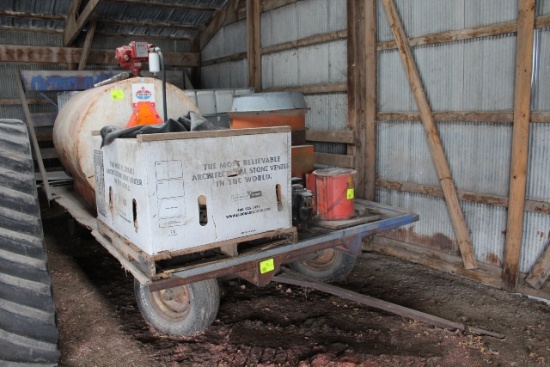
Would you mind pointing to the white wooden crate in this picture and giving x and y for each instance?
(150, 189)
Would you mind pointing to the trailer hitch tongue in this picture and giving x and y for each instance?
(294, 278)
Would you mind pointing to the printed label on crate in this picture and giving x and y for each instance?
(124, 176)
(241, 171)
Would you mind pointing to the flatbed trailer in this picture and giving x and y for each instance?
(167, 285)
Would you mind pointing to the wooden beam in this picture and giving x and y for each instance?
(471, 116)
(268, 5)
(166, 5)
(468, 116)
(356, 87)
(304, 42)
(229, 58)
(335, 160)
(223, 16)
(34, 141)
(520, 143)
(486, 274)
(145, 36)
(466, 34)
(24, 15)
(434, 141)
(253, 44)
(73, 26)
(68, 55)
(87, 46)
(313, 89)
(141, 23)
(540, 271)
(471, 196)
(371, 74)
(17, 101)
(331, 136)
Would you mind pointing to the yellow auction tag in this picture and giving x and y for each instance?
(266, 266)
(117, 94)
(351, 194)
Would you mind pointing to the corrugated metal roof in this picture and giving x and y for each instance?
(161, 18)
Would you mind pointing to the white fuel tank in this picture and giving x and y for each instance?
(95, 108)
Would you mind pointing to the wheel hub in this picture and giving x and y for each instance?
(172, 302)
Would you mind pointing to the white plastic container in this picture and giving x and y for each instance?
(182, 191)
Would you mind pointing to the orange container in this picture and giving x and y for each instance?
(269, 109)
(335, 193)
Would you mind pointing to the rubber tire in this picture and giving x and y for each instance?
(336, 269)
(204, 303)
(28, 330)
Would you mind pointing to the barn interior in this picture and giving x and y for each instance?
(440, 108)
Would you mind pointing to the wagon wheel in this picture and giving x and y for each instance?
(182, 310)
(329, 266)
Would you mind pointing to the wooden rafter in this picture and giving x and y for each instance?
(520, 143)
(20, 15)
(157, 4)
(74, 24)
(87, 46)
(152, 24)
(432, 135)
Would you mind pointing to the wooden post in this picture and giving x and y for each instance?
(253, 44)
(520, 143)
(371, 102)
(87, 46)
(34, 140)
(356, 88)
(434, 142)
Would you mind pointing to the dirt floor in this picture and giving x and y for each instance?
(278, 325)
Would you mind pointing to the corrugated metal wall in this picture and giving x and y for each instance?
(474, 75)
(229, 40)
(318, 64)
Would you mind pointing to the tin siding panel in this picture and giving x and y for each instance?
(461, 76)
(538, 173)
(327, 111)
(279, 26)
(313, 65)
(434, 230)
(542, 84)
(478, 154)
(422, 17)
(302, 19)
(229, 40)
(536, 236)
(226, 75)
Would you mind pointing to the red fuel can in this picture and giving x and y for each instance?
(335, 193)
